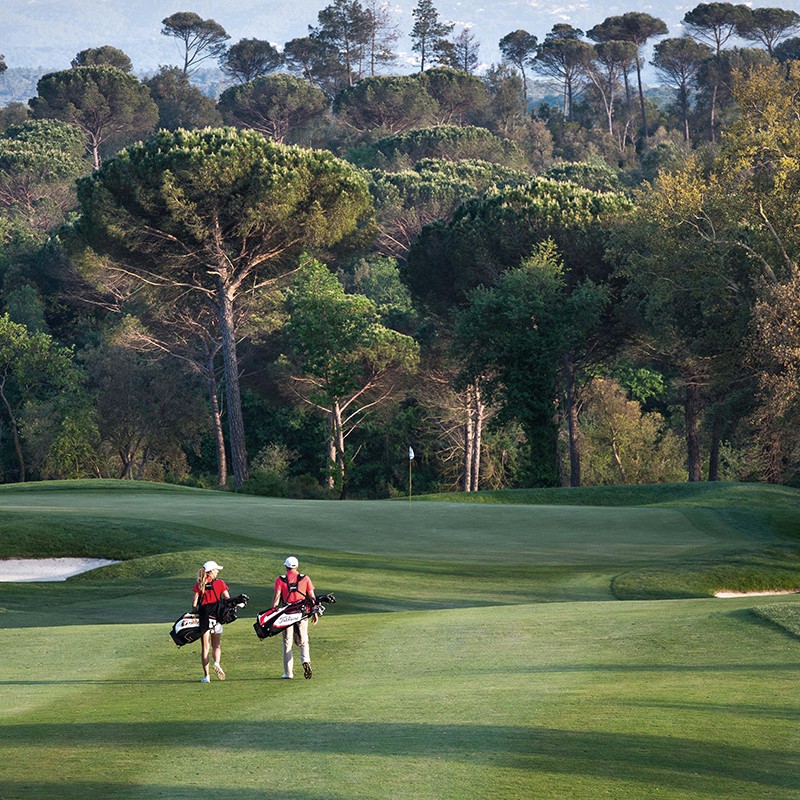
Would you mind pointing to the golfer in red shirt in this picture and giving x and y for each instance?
(208, 590)
(290, 588)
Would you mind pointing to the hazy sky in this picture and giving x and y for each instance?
(48, 33)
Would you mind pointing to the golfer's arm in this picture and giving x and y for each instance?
(195, 601)
(276, 599)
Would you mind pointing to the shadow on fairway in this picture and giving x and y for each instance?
(738, 709)
(652, 760)
(751, 617)
(637, 668)
(14, 790)
(128, 682)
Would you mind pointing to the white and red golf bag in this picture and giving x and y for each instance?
(276, 620)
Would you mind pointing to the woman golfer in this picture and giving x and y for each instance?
(208, 591)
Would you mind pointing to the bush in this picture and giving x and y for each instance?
(305, 487)
(266, 483)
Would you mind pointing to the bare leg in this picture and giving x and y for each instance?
(216, 651)
(205, 646)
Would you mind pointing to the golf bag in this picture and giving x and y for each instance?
(227, 609)
(276, 620)
(186, 628)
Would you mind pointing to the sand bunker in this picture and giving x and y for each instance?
(28, 570)
(754, 594)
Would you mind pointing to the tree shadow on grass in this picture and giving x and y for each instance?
(623, 669)
(653, 760)
(750, 616)
(735, 709)
(26, 790)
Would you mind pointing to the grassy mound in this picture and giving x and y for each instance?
(774, 569)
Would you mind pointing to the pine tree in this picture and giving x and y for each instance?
(428, 35)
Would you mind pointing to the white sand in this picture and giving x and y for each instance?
(754, 594)
(28, 570)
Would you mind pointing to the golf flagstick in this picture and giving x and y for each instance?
(410, 459)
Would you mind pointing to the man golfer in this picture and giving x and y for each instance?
(291, 588)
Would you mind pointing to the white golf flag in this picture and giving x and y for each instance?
(410, 453)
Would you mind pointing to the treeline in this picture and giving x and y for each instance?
(595, 292)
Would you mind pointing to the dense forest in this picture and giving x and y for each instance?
(332, 268)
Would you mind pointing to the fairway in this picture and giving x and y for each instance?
(476, 651)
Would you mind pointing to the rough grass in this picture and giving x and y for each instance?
(774, 569)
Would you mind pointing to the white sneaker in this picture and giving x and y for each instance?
(220, 672)
(287, 677)
(205, 679)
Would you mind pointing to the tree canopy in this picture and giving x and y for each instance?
(198, 39)
(110, 106)
(275, 105)
(493, 233)
(217, 213)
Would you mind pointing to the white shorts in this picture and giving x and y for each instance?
(214, 626)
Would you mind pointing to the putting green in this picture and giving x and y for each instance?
(509, 534)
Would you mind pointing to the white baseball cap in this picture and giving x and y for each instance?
(291, 562)
(211, 565)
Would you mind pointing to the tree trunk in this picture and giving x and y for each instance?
(713, 453)
(126, 457)
(617, 457)
(572, 423)
(216, 421)
(330, 480)
(232, 393)
(476, 439)
(627, 92)
(569, 100)
(692, 421)
(469, 439)
(142, 464)
(774, 456)
(339, 441)
(714, 111)
(685, 112)
(14, 433)
(641, 98)
(96, 163)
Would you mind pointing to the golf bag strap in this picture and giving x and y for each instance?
(293, 587)
(213, 589)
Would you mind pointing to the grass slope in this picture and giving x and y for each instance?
(476, 650)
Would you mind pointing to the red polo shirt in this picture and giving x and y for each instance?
(214, 591)
(304, 587)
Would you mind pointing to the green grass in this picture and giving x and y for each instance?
(673, 494)
(475, 651)
(785, 615)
